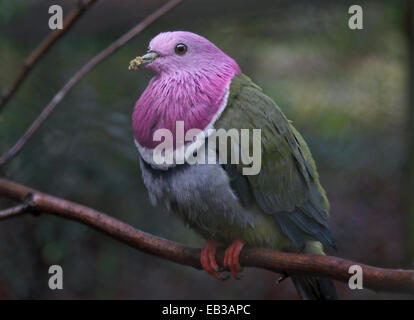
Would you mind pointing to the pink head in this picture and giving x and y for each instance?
(190, 85)
(182, 51)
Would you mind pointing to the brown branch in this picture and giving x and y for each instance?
(81, 73)
(328, 266)
(43, 48)
(13, 211)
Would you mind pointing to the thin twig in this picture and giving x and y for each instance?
(81, 73)
(13, 211)
(281, 262)
(43, 48)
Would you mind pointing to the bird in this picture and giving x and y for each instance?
(282, 207)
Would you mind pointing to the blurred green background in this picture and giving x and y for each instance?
(345, 90)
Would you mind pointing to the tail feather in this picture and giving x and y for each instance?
(315, 288)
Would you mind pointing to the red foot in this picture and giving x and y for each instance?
(231, 257)
(208, 258)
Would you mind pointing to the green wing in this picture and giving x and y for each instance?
(288, 184)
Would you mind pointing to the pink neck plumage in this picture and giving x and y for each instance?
(192, 97)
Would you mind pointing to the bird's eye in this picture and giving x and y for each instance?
(180, 49)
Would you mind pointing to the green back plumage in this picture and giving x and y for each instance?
(287, 186)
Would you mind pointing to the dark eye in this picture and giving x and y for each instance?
(180, 49)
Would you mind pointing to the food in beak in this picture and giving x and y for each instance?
(135, 63)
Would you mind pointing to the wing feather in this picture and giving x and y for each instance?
(288, 184)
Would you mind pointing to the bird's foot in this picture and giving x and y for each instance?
(208, 258)
(231, 258)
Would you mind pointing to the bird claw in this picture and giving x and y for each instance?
(231, 258)
(208, 258)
